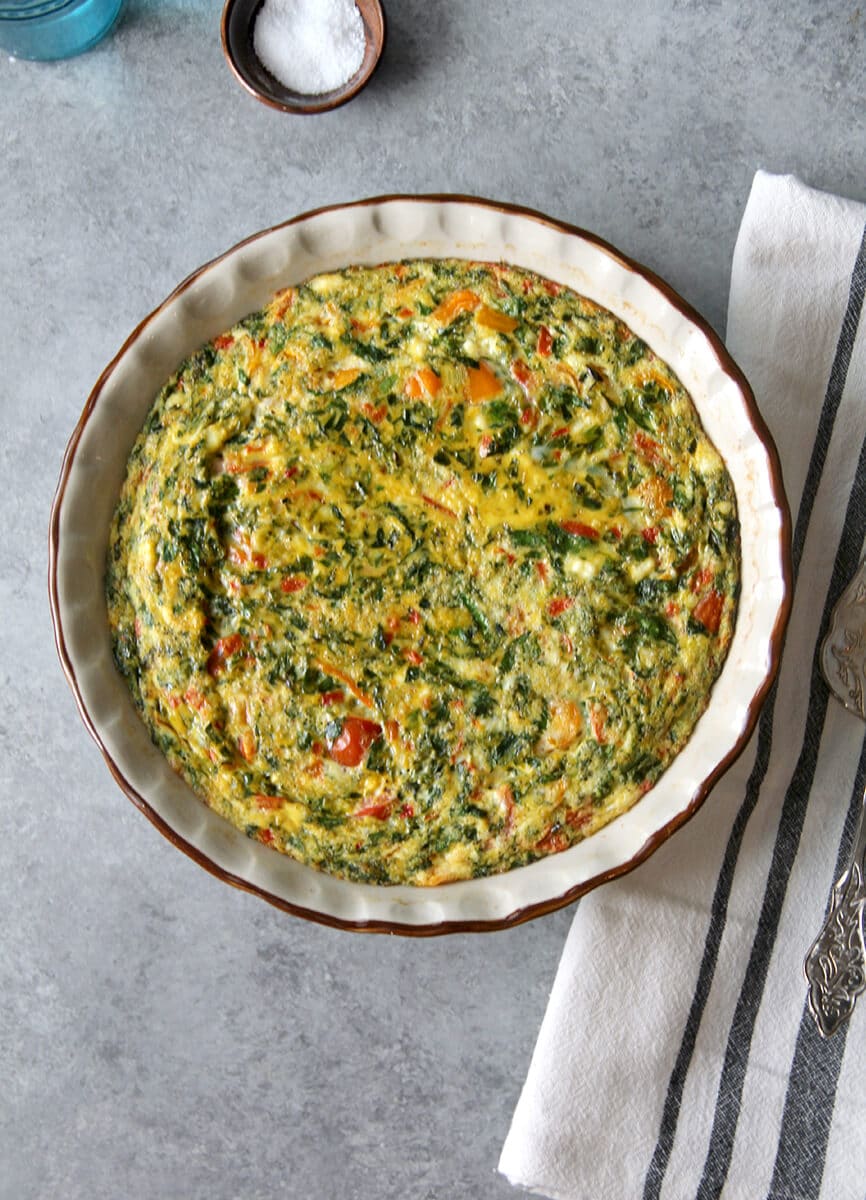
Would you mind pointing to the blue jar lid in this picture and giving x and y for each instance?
(49, 29)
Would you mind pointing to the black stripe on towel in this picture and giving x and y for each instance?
(787, 843)
(808, 1112)
(673, 1099)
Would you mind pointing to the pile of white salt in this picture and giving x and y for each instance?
(310, 46)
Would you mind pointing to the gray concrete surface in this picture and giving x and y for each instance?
(162, 1035)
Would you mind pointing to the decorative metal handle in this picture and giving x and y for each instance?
(836, 964)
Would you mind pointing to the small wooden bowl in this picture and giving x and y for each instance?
(237, 39)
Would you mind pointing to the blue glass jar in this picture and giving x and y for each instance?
(46, 29)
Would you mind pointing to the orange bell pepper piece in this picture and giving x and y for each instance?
(483, 384)
(492, 318)
(455, 304)
(423, 382)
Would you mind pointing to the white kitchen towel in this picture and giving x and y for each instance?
(677, 1059)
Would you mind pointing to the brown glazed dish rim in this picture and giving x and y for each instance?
(534, 909)
(236, 26)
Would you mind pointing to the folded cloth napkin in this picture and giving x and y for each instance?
(677, 1058)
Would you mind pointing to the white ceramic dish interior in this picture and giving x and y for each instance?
(241, 281)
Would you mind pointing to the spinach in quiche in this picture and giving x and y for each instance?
(423, 572)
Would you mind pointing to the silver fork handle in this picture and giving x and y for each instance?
(836, 964)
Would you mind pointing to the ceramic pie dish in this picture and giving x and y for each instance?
(211, 300)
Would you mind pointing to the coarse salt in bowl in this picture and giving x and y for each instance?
(311, 46)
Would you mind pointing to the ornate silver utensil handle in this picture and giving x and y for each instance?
(835, 964)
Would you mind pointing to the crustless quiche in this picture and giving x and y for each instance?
(423, 572)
